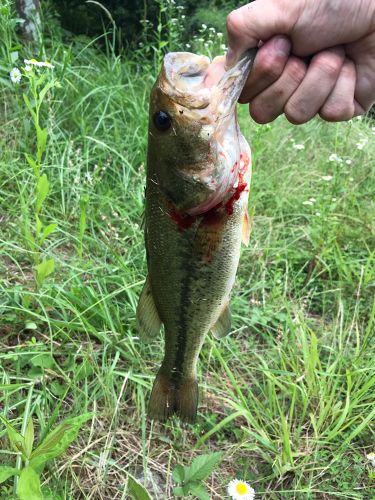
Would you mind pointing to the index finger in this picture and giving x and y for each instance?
(259, 20)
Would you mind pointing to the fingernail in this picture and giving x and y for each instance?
(282, 45)
(231, 59)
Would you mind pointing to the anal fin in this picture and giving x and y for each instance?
(223, 325)
(148, 321)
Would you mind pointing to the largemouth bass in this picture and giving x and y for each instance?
(198, 181)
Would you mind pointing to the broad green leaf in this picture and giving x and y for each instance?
(42, 189)
(83, 371)
(41, 134)
(30, 325)
(44, 269)
(38, 225)
(44, 360)
(29, 437)
(45, 89)
(16, 439)
(181, 491)
(137, 490)
(29, 485)
(33, 164)
(58, 440)
(6, 472)
(199, 491)
(178, 474)
(202, 466)
(47, 231)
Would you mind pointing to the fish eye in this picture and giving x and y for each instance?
(162, 121)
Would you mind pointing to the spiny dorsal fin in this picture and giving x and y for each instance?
(148, 321)
(223, 325)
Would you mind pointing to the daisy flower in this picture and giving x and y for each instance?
(39, 64)
(240, 490)
(15, 75)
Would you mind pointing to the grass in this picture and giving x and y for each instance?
(288, 396)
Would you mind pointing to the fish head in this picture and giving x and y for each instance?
(194, 139)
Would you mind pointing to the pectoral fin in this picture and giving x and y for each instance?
(246, 228)
(148, 321)
(223, 325)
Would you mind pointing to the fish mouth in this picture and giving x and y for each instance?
(195, 82)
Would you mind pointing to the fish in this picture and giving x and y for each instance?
(196, 198)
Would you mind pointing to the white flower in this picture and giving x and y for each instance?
(220, 35)
(334, 157)
(299, 146)
(313, 200)
(373, 130)
(371, 458)
(223, 47)
(28, 67)
(188, 45)
(39, 64)
(362, 143)
(307, 202)
(239, 490)
(204, 26)
(15, 75)
(317, 214)
(348, 162)
(351, 179)
(334, 199)
(89, 178)
(327, 178)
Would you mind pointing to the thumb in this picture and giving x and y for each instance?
(259, 20)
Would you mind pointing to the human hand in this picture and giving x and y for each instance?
(338, 35)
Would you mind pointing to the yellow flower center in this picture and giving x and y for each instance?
(241, 488)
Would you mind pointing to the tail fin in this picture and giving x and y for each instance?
(168, 399)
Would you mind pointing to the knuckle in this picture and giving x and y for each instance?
(234, 22)
(329, 64)
(270, 67)
(337, 111)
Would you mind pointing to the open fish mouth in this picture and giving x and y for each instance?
(196, 82)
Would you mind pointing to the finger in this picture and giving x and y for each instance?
(318, 83)
(362, 53)
(268, 65)
(259, 20)
(340, 104)
(270, 103)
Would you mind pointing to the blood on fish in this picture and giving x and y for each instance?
(214, 215)
(241, 186)
(183, 221)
